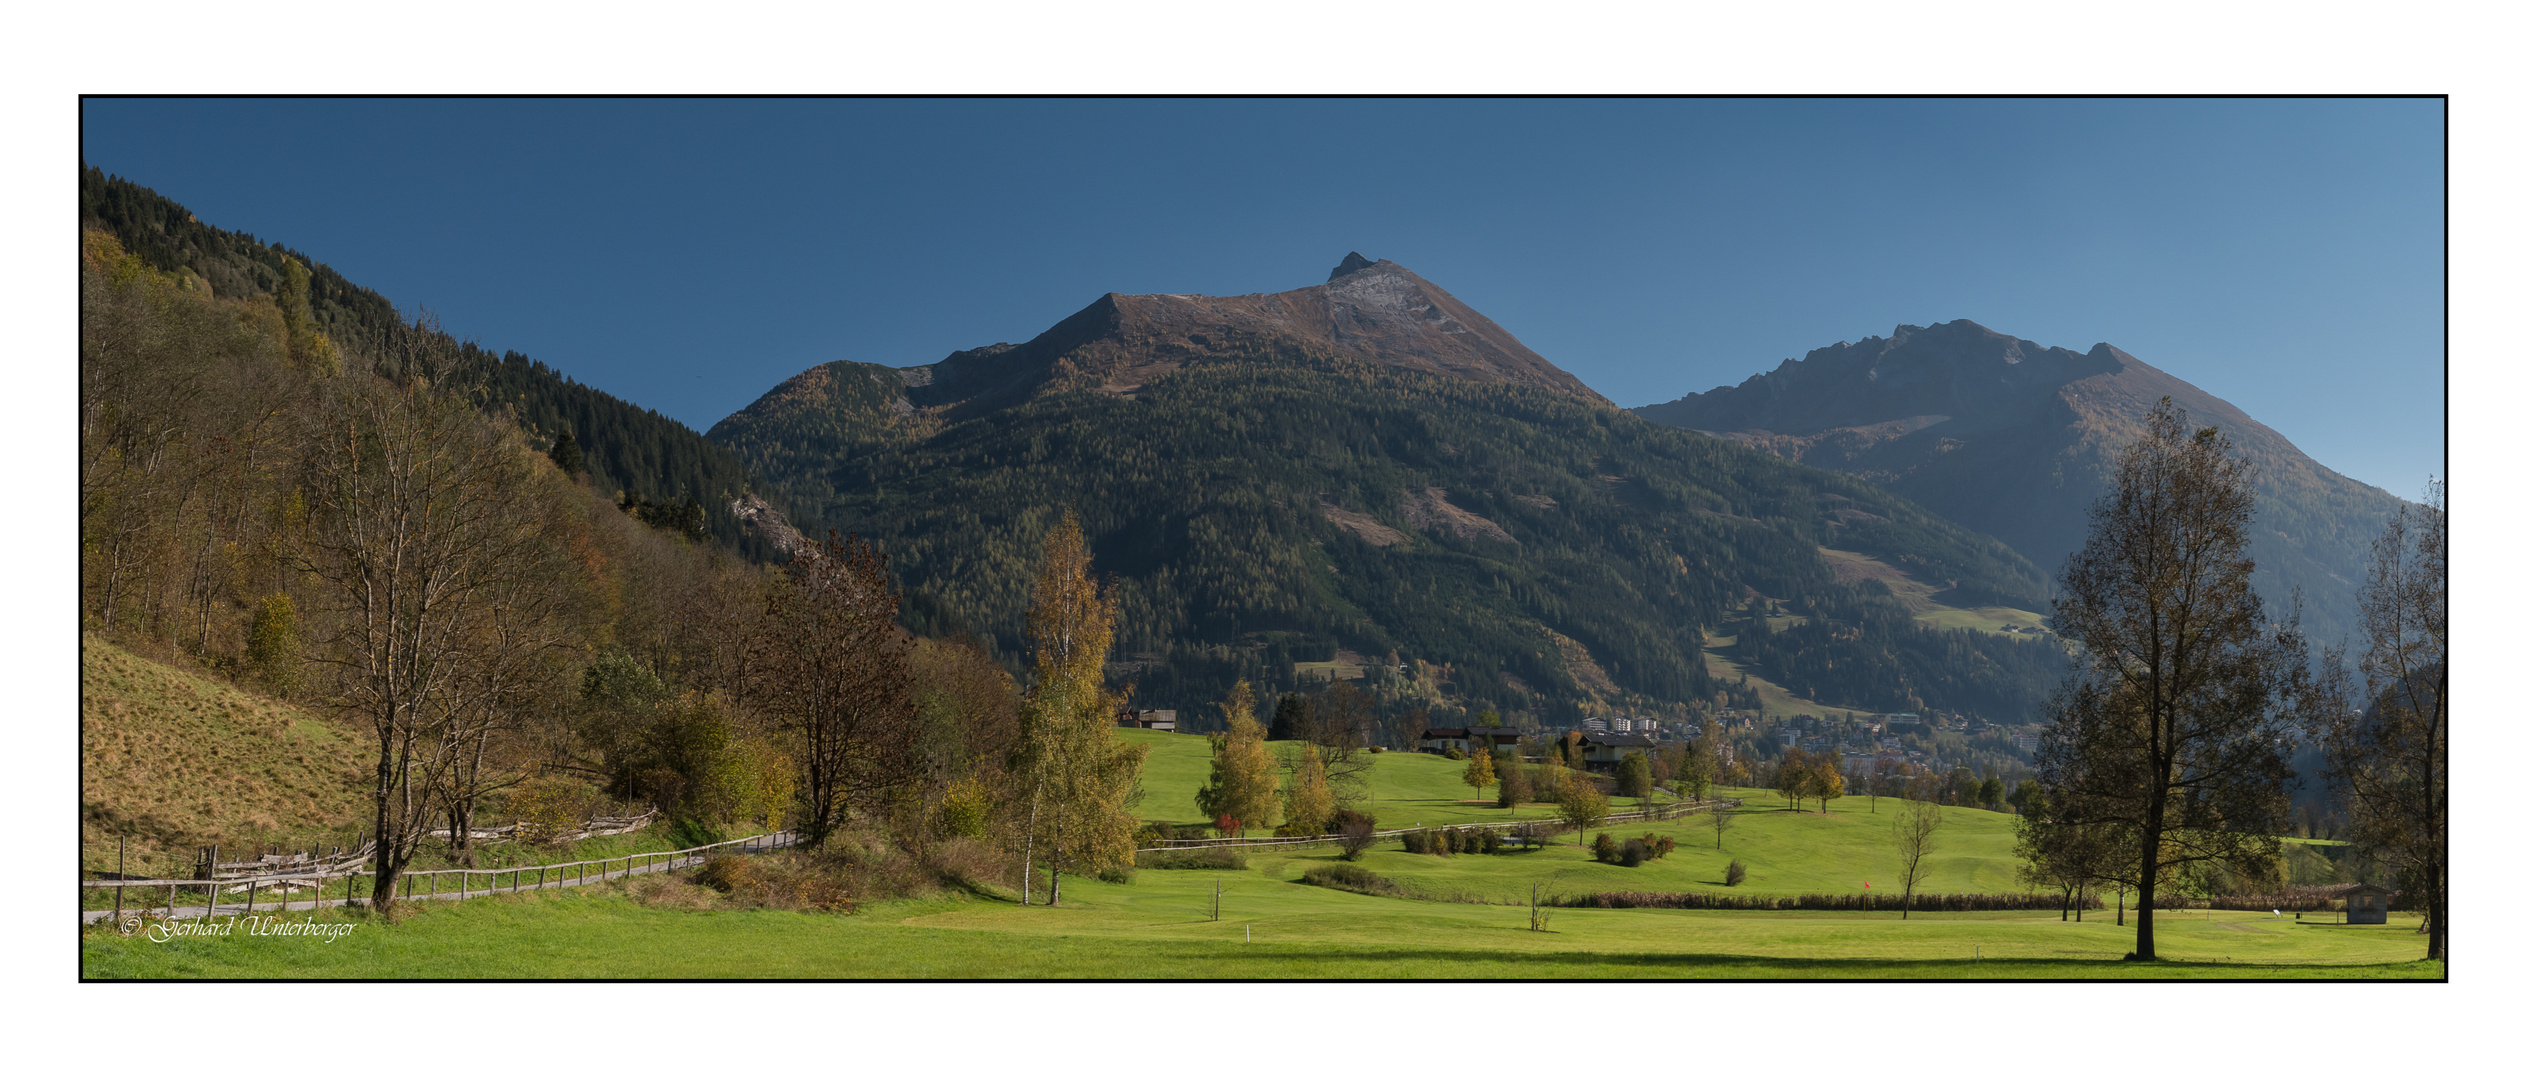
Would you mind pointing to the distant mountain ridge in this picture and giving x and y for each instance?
(1370, 467)
(2014, 439)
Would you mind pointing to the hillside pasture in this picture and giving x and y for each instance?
(172, 758)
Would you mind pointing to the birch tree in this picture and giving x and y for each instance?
(1080, 780)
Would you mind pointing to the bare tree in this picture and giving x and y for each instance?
(1345, 727)
(1913, 831)
(832, 670)
(2391, 761)
(521, 635)
(2175, 729)
(1721, 816)
(407, 537)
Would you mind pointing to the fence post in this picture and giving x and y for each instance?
(118, 880)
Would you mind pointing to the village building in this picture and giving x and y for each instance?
(1152, 719)
(1602, 752)
(1439, 740)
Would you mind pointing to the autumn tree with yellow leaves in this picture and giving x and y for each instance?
(1079, 780)
(1242, 780)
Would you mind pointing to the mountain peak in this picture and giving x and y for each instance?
(1373, 310)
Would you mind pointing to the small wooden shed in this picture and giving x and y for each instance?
(2366, 904)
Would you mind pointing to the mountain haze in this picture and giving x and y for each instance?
(1370, 470)
(2015, 440)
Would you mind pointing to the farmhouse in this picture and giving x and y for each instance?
(1605, 751)
(1155, 719)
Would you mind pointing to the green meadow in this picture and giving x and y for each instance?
(1468, 922)
(1158, 928)
(1407, 788)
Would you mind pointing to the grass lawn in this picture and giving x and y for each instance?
(1157, 928)
(1408, 787)
(1783, 851)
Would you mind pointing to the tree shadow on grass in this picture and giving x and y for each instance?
(1682, 965)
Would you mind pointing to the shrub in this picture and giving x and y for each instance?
(968, 864)
(1826, 901)
(1352, 878)
(1605, 849)
(965, 811)
(1117, 875)
(792, 882)
(271, 647)
(1454, 753)
(1734, 873)
(1635, 852)
(549, 808)
(1216, 858)
(1356, 833)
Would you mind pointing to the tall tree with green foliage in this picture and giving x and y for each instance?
(565, 453)
(1292, 720)
(1581, 805)
(2176, 726)
(1636, 777)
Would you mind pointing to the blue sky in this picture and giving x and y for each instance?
(2285, 255)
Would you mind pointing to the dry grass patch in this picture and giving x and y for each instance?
(173, 758)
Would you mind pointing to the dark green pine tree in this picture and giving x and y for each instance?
(565, 453)
(1293, 719)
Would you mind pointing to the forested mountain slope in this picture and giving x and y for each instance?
(627, 448)
(2014, 439)
(1388, 482)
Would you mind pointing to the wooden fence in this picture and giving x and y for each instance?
(413, 884)
(592, 828)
